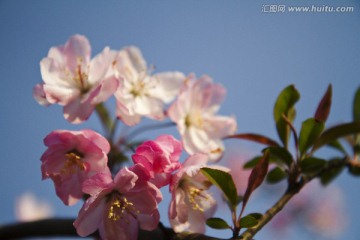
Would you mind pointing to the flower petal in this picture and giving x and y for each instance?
(88, 221)
(77, 50)
(39, 95)
(168, 85)
(125, 180)
(99, 66)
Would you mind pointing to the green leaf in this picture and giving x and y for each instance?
(240, 198)
(282, 154)
(256, 138)
(323, 109)
(310, 131)
(356, 106)
(248, 222)
(224, 181)
(217, 223)
(257, 216)
(337, 145)
(332, 134)
(252, 162)
(312, 164)
(238, 201)
(276, 175)
(332, 173)
(284, 105)
(354, 170)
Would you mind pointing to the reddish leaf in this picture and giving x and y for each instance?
(256, 177)
(256, 138)
(323, 110)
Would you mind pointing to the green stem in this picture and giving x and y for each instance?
(105, 119)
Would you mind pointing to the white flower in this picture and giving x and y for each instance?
(194, 112)
(141, 94)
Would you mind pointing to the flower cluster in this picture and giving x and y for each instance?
(120, 198)
(77, 82)
(118, 203)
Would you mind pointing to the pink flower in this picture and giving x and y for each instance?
(142, 94)
(75, 81)
(160, 158)
(117, 208)
(191, 205)
(194, 112)
(71, 158)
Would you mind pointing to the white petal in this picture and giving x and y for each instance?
(136, 58)
(168, 85)
(59, 94)
(99, 66)
(77, 50)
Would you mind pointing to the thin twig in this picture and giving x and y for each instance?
(278, 206)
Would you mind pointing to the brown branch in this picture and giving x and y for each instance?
(58, 227)
(279, 205)
(41, 228)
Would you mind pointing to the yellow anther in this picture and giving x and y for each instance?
(137, 89)
(217, 150)
(196, 195)
(194, 119)
(72, 163)
(120, 208)
(113, 215)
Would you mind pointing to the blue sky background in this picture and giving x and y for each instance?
(252, 53)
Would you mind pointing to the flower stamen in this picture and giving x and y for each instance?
(119, 208)
(72, 163)
(196, 195)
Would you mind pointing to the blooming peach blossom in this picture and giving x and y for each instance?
(75, 81)
(142, 94)
(117, 208)
(160, 157)
(191, 205)
(72, 157)
(194, 112)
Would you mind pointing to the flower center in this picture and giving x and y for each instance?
(196, 198)
(194, 119)
(121, 208)
(137, 88)
(81, 78)
(73, 163)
